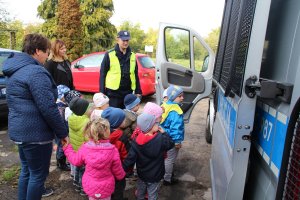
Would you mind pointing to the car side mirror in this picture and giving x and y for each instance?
(78, 66)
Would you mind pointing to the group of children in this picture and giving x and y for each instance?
(105, 143)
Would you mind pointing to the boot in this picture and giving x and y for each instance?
(62, 165)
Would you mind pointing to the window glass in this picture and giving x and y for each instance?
(91, 61)
(146, 62)
(177, 46)
(200, 56)
(3, 57)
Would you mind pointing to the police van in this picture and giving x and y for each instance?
(256, 72)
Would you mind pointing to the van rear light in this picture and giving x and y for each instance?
(292, 182)
(145, 74)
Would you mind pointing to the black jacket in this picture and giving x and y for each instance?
(125, 84)
(60, 72)
(149, 157)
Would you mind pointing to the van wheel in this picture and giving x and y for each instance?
(208, 135)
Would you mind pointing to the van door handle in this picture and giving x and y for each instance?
(189, 72)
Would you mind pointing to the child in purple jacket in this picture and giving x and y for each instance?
(101, 159)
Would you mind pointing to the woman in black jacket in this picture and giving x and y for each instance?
(59, 66)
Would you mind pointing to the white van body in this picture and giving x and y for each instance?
(256, 73)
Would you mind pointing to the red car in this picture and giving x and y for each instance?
(86, 73)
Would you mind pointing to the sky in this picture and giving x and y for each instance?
(200, 15)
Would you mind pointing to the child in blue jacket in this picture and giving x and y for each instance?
(173, 124)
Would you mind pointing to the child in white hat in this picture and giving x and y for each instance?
(101, 102)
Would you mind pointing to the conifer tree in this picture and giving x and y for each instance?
(99, 32)
(69, 28)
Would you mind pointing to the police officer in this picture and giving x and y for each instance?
(119, 72)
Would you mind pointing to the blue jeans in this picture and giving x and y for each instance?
(35, 163)
(145, 187)
(78, 173)
(59, 151)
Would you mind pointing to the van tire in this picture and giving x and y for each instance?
(208, 135)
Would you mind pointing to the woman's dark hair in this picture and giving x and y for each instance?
(35, 41)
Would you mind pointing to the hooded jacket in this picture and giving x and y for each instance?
(76, 129)
(31, 96)
(173, 122)
(148, 154)
(121, 142)
(102, 166)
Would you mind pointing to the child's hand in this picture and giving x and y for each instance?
(160, 129)
(178, 146)
(65, 141)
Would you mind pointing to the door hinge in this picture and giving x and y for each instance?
(268, 89)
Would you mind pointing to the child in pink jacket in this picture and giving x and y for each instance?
(101, 159)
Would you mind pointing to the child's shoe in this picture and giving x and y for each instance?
(172, 182)
(77, 187)
(146, 195)
(82, 193)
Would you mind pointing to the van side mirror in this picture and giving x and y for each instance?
(205, 63)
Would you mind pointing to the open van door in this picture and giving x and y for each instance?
(183, 59)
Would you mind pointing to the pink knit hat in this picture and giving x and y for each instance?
(100, 99)
(153, 109)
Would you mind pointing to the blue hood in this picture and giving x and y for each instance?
(16, 61)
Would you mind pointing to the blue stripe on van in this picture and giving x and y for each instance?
(269, 135)
(228, 116)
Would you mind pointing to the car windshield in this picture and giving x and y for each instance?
(3, 57)
(146, 62)
(91, 61)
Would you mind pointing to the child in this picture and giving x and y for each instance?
(165, 95)
(62, 105)
(68, 98)
(172, 123)
(77, 121)
(101, 102)
(154, 109)
(116, 118)
(147, 152)
(101, 160)
(132, 105)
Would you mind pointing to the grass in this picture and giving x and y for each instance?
(10, 174)
(88, 96)
(186, 63)
(15, 148)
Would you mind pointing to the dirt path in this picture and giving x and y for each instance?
(192, 167)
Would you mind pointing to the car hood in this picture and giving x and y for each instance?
(17, 61)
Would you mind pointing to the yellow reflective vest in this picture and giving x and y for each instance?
(113, 77)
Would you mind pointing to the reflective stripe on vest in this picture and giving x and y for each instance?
(113, 77)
